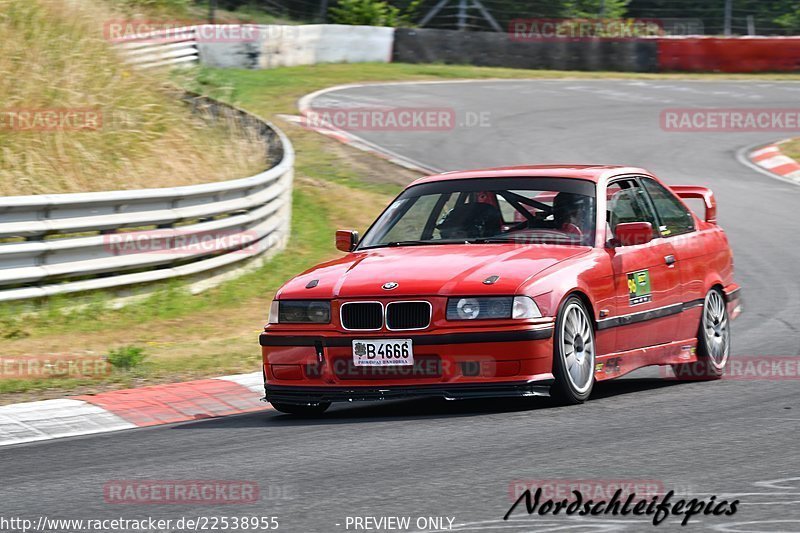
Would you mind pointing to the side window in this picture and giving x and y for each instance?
(626, 203)
(675, 218)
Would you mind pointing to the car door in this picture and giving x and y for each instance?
(646, 276)
(678, 226)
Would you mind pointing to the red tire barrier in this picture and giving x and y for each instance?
(733, 54)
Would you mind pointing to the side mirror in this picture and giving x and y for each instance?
(633, 233)
(346, 240)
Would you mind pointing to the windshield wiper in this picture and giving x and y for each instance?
(408, 243)
(487, 240)
(521, 240)
(416, 243)
(422, 243)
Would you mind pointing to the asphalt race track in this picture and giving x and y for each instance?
(732, 438)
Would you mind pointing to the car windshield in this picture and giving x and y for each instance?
(488, 210)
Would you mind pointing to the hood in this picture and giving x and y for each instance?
(452, 269)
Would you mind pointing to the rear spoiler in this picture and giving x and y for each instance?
(701, 193)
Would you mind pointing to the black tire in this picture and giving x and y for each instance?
(569, 388)
(306, 409)
(713, 342)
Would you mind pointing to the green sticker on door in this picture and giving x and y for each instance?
(639, 287)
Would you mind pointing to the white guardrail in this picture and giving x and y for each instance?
(65, 243)
(258, 45)
(161, 49)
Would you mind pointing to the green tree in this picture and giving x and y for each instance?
(790, 21)
(612, 9)
(372, 13)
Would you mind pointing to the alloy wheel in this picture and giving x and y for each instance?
(577, 347)
(715, 329)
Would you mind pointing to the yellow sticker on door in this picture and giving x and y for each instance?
(639, 291)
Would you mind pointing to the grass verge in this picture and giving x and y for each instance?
(792, 149)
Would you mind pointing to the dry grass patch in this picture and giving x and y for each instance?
(53, 56)
(791, 148)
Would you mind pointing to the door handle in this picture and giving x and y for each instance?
(669, 260)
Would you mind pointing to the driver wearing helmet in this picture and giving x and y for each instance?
(571, 213)
(479, 218)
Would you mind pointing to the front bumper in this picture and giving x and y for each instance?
(315, 366)
(265, 339)
(448, 391)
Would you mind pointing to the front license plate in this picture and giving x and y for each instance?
(384, 352)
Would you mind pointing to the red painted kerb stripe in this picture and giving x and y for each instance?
(178, 402)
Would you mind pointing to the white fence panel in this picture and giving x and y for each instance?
(287, 45)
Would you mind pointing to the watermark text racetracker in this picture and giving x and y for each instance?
(51, 119)
(434, 119)
(54, 366)
(160, 492)
(557, 489)
(175, 241)
(554, 29)
(170, 31)
(66, 119)
(730, 119)
(181, 492)
(46, 524)
(742, 368)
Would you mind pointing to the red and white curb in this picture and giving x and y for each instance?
(771, 159)
(131, 408)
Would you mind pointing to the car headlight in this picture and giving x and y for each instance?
(495, 307)
(300, 312)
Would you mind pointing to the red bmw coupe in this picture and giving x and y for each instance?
(519, 281)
